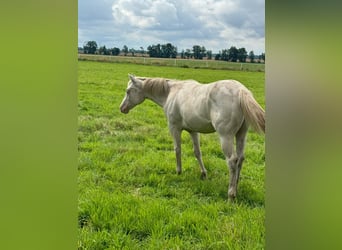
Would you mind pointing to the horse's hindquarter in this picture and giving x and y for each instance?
(225, 112)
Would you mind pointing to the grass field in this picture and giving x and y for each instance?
(183, 63)
(130, 196)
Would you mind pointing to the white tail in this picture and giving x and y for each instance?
(253, 112)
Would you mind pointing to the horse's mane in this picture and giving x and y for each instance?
(156, 86)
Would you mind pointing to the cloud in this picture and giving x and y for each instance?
(215, 24)
(149, 14)
(89, 10)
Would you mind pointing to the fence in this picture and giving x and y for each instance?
(175, 62)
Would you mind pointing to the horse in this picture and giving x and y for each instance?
(224, 106)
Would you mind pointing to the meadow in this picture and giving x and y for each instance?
(130, 196)
(184, 63)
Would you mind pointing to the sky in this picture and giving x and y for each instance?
(214, 24)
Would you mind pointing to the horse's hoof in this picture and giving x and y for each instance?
(231, 198)
(231, 195)
(204, 175)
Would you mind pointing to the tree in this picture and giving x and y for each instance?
(251, 56)
(196, 49)
(90, 47)
(103, 50)
(115, 51)
(173, 51)
(225, 55)
(154, 50)
(262, 56)
(168, 51)
(163, 51)
(183, 54)
(203, 52)
(209, 54)
(199, 52)
(187, 53)
(125, 50)
(233, 54)
(142, 51)
(132, 51)
(242, 55)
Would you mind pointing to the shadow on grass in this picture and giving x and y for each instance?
(216, 188)
(246, 195)
(165, 182)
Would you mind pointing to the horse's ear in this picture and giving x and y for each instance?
(131, 76)
(134, 80)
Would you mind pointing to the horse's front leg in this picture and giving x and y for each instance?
(176, 134)
(198, 154)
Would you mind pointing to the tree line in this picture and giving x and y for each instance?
(234, 54)
(168, 50)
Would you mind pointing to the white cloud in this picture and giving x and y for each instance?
(149, 14)
(215, 24)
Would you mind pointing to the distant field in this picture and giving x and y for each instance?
(185, 63)
(130, 196)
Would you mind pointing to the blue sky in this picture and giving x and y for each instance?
(215, 24)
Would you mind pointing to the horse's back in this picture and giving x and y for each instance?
(202, 107)
(227, 87)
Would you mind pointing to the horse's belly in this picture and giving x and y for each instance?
(196, 124)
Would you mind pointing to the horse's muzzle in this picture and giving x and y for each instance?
(124, 109)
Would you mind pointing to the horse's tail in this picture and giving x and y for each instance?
(253, 112)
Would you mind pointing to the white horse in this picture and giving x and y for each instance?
(226, 106)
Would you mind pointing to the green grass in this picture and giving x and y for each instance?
(130, 196)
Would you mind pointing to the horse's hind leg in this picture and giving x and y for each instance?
(198, 154)
(240, 146)
(227, 144)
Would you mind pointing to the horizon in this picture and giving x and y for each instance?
(214, 24)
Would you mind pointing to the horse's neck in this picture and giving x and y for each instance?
(158, 99)
(157, 95)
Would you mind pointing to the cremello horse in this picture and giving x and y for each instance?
(226, 106)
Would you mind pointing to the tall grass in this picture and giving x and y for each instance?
(130, 196)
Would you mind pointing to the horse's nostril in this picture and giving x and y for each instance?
(124, 110)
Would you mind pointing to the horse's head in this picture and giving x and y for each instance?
(134, 95)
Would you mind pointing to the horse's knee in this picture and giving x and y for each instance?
(240, 161)
(232, 162)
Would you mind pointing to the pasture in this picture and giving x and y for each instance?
(184, 63)
(130, 196)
